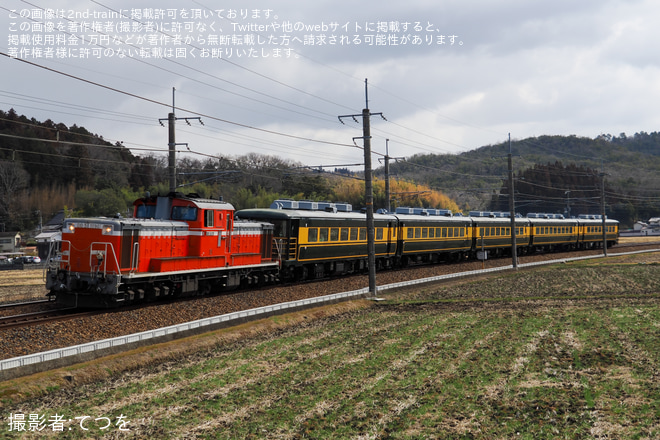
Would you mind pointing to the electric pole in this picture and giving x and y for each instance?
(387, 175)
(512, 211)
(171, 142)
(602, 207)
(386, 159)
(368, 189)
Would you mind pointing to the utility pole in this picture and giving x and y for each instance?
(368, 189)
(171, 121)
(512, 211)
(602, 207)
(387, 175)
(386, 159)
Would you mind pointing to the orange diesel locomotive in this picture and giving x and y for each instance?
(173, 246)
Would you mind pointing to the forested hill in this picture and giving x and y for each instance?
(52, 154)
(631, 165)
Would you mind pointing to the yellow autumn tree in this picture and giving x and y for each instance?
(402, 194)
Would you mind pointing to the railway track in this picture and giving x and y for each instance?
(34, 318)
(25, 303)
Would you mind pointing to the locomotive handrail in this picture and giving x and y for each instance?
(277, 244)
(51, 262)
(136, 257)
(105, 253)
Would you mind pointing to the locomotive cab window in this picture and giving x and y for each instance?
(188, 213)
(146, 211)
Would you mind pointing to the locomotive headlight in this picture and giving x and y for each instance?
(72, 228)
(107, 229)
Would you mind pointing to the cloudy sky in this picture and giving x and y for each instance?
(271, 77)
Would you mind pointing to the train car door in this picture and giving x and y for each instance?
(294, 229)
(391, 237)
(129, 248)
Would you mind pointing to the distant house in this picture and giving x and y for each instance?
(51, 232)
(652, 227)
(10, 242)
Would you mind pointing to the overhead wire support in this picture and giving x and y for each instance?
(512, 208)
(386, 159)
(368, 187)
(171, 123)
(602, 207)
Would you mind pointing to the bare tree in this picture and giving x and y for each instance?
(13, 178)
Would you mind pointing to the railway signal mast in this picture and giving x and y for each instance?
(368, 188)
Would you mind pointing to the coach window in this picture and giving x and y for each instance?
(323, 234)
(344, 234)
(410, 233)
(363, 234)
(418, 232)
(425, 232)
(313, 235)
(354, 234)
(334, 234)
(462, 232)
(431, 232)
(444, 232)
(379, 233)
